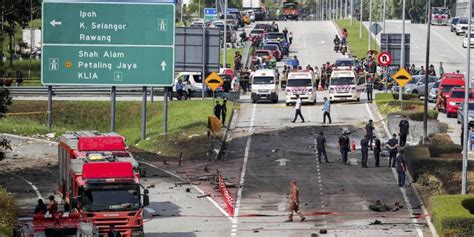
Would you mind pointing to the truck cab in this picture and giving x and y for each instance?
(302, 83)
(265, 85)
(100, 178)
(345, 85)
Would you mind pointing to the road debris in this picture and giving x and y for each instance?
(376, 222)
(323, 231)
(205, 195)
(379, 207)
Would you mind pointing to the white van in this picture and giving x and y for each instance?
(193, 77)
(301, 83)
(265, 85)
(344, 85)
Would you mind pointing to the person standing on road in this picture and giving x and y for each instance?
(369, 131)
(294, 202)
(392, 145)
(370, 88)
(404, 130)
(344, 146)
(298, 109)
(364, 148)
(377, 150)
(317, 76)
(326, 110)
(290, 37)
(285, 33)
(244, 79)
(218, 110)
(401, 168)
(321, 146)
(224, 111)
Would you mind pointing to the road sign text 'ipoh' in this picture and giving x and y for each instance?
(108, 43)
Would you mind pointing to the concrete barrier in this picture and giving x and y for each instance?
(416, 128)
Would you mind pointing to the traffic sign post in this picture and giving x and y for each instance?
(213, 81)
(108, 43)
(375, 28)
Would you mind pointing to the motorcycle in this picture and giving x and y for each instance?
(344, 49)
(336, 48)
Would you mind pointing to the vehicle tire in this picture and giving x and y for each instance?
(358, 99)
(457, 33)
(254, 101)
(415, 92)
(314, 102)
(275, 101)
(459, 122)
(287, 104)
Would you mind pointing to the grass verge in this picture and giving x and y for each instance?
(452, 215)
(186, 127)
(411, 106)
(358, 46)
(9, 213)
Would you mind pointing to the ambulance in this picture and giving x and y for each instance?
(345, 85)
(302, 83)
(265, 85)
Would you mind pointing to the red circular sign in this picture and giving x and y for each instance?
(385, 59)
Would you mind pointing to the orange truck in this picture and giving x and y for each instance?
(290, 11)
(100, 179)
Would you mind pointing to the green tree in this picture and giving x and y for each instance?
(15, 13)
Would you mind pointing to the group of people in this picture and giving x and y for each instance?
(321, 75)
(326, 110)
(184, 90)
(431, 70)
(8, 78)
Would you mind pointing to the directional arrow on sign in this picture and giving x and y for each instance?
(282, 161)
(163, 65)
(55, 23)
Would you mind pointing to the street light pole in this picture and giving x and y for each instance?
(425, 102)
(402, 57)
(370, 23)
(383, 15)
(352, 12)
(467, 80)
(225, 33)
(360, 18)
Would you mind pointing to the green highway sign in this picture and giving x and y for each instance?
(108, 43)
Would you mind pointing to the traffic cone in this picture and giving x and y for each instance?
(353, 146)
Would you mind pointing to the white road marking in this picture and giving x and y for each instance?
(235, 220)
(320, 181)
(149, 210)
(194, 186)
(428, 219)
(38, 194)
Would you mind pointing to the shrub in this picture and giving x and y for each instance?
(418, 116)
(384, 97)
(450, 217)
(441, 143)
(9, 213)
(434, 184)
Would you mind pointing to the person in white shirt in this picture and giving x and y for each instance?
(298, 109)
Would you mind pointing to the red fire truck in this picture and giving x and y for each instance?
(99, 178)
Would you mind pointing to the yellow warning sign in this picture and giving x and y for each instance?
(213, 81)
(402, 77)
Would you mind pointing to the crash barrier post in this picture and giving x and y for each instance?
(227, 198)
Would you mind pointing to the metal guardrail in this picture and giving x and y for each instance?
(80, 91)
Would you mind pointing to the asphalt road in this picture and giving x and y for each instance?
(334, 196)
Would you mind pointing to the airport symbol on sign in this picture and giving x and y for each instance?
(213, 81)
(402, 77)
(385, 59)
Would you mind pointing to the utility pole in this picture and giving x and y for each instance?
(467, 80)
(402, 57)
(384, 9)
(225, 33)
(370, 23)
(360, 18)
(425, 101)
(352, 12)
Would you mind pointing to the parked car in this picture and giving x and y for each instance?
(456, 97)
(461, 26)
(265, 55)
(275, 50)
(433, 94)
(193, 77)
(454, 21)
(464, 41)
(199, 24)
(460, 116)
(274, 37)
(417, 85)
(231, 19)
(266, 27)
(231, 35)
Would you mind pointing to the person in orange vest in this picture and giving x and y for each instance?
(294, 202)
